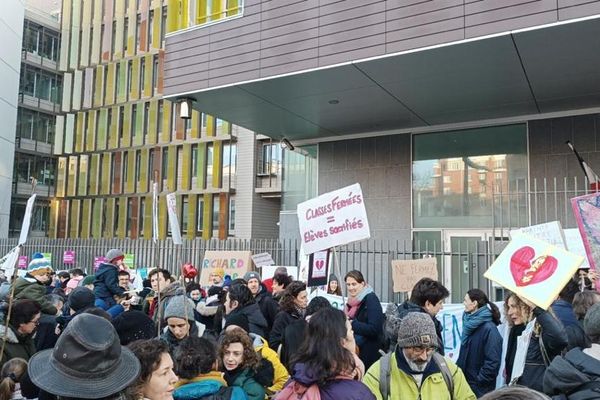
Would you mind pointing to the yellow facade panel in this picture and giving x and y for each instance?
(109, 84)
(134, 94)
(143, 168)
(86, 30)
(109, 218)
(120, 25)
(195, 131)
(122, 82)
(74, 210)
(72, 176)
(156, 22)
(217, 161)
(122, 218)
(86, 210)
(79, 126)
(63, 63)
(90, 137)
(138, 132)
(207, 217)
(126, 138)
(96, 33)
(185, 166)
(97, 218)
(130, 183)
(101, 133)
(148, 82)
(83, 175)
(61, 177)
(53, 219)
(99, 86)
(210, 125)
(172, 169)
(105, 182)
(113, 129)
(75, 28)
(152, 123)
(94, 174)
(165, 136)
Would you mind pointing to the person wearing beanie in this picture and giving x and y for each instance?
(88, 282)
(578, 371)
(416, 370)
(134, 325)
(216, 277)
(32, 286)
(106, 284)
(179, 317)
(80, 299)
(268, 307)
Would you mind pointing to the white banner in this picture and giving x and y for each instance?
(173, 220)
(8, 262)
(333, 219)
(155, 212)
(27, 220)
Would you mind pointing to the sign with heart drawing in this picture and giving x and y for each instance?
(317, 273)
(534, 269)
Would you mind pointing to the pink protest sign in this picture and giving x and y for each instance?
(97, 261)
(69, 257)
(22, 262)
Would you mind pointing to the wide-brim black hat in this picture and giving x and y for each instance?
(86, 362)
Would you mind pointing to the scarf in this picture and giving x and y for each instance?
(231, 376)
(355, 302)
(472, 321)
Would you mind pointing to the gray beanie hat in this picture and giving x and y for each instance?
(114, 253)
(178, 309)
(251, 275)
(591, 322)
(417, 329)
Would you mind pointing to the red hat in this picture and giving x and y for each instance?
(189, 271)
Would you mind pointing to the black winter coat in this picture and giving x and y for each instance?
(480, 357)
(368, 325)
(282, 320)
(106, 284)
(566, 375)
(258, 323)
(268, 307)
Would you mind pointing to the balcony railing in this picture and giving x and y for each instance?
(199, 13)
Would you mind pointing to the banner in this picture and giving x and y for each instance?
(69, 257)
(533, 269)
(587, 214)
(406, 273)
(23, 262)
(319, 268)
(234, 263)
(27, 220)
(550, 232)
(333, 219)
(8, 262)
(262, 259)
(173, 220)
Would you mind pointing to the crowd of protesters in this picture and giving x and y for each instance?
(76, 336)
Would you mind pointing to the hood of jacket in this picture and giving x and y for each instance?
(258, 342)
(104, 268)
(567, 373)
(206, 311)
(197, 389)
(254, 315)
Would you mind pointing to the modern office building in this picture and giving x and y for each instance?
(39, 98)
(117, 135)
(450, 114)
(11, 29)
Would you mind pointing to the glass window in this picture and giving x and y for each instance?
(209, 164)
(271, 159)
(138, 164)
(129, 77)
(231, 215)
(215, 213)
(165, 162)
(155, 74)
(200, 215)
(125, 41)
(184, 213)
(150, 27)
(455, 175)
(28, 81)
(194, 166)
(299, 177)
(138, 31)
(142, 216)
(25, 165)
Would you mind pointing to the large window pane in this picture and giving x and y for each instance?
(457, 175)
(299, 177)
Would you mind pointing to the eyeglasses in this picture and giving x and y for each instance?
(422, 349)
(35, 322)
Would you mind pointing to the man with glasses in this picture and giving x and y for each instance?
(24, 320)
(32, 286)
(414, 370)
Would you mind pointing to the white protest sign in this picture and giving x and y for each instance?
(550, 232)
(319, 268)
(268, 271)
(173, 220)
(27, 219)
(8, 262)
(405, 273)
(575, 245)
(262, 259)
(333, 219)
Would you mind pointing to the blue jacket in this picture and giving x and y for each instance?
(204, 388)
(106, 284)
(368, 329)
(480, 357)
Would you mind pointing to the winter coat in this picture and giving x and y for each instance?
(106, 284)
(568, 373)
(292, 339)
(204, 386)
(480, 356)
(245, 380)
(394, 315)
(280, 373)
(564, 312)
(268, 307)
(170, 291)
(577, 337)
(282, 320)
(258, 323)
(554, 338)
(30, 288)
(17, 345)
(196, 330)
(334, 389)
(403, 385)
(45, 335)
(368, 324)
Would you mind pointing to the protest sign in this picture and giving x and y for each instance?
(173, 220)
(533, 269)
(267, 271)
(333, 219)
(262, 259)
(587, 214)
(575, 245)
(405, 273)
(26, 220)
(550, 232)
(23, 261)
(234, 263)
(129, 260)
(97, 261)
(69, 257)
(319, 267)
(48, 256)
(8, 262)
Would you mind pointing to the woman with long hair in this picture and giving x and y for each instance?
(293, 307)
(10, 376)
(481, 343)
(364, 311)
(157, 379)
(536, 332)
(325, 363)
(333, 287)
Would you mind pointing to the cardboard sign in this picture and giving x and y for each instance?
(533, 269)
(319, 268)
(262, 259)
(69, 257)
(267, 271)
(405, 273)
(550, 232)
(333, 219)
(234, 263)
(575, 245)
(173, 220)
(587, 214)
(26, 220)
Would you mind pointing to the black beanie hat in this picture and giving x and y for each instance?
(81, 298)
(134, 325)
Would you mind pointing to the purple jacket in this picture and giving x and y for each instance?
(335, 389)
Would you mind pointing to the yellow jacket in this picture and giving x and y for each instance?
(281, 375)
(433, 387)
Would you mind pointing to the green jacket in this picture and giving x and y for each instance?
(433, 387)
(29, 288)
(16, 345)
(253, 389)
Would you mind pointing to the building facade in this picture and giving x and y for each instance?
(117, 135)
(40, 95)
(11, 28)
(452, 115)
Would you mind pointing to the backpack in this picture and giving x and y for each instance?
(385, 371)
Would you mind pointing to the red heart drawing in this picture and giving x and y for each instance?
(319, 264)
(527, 270)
